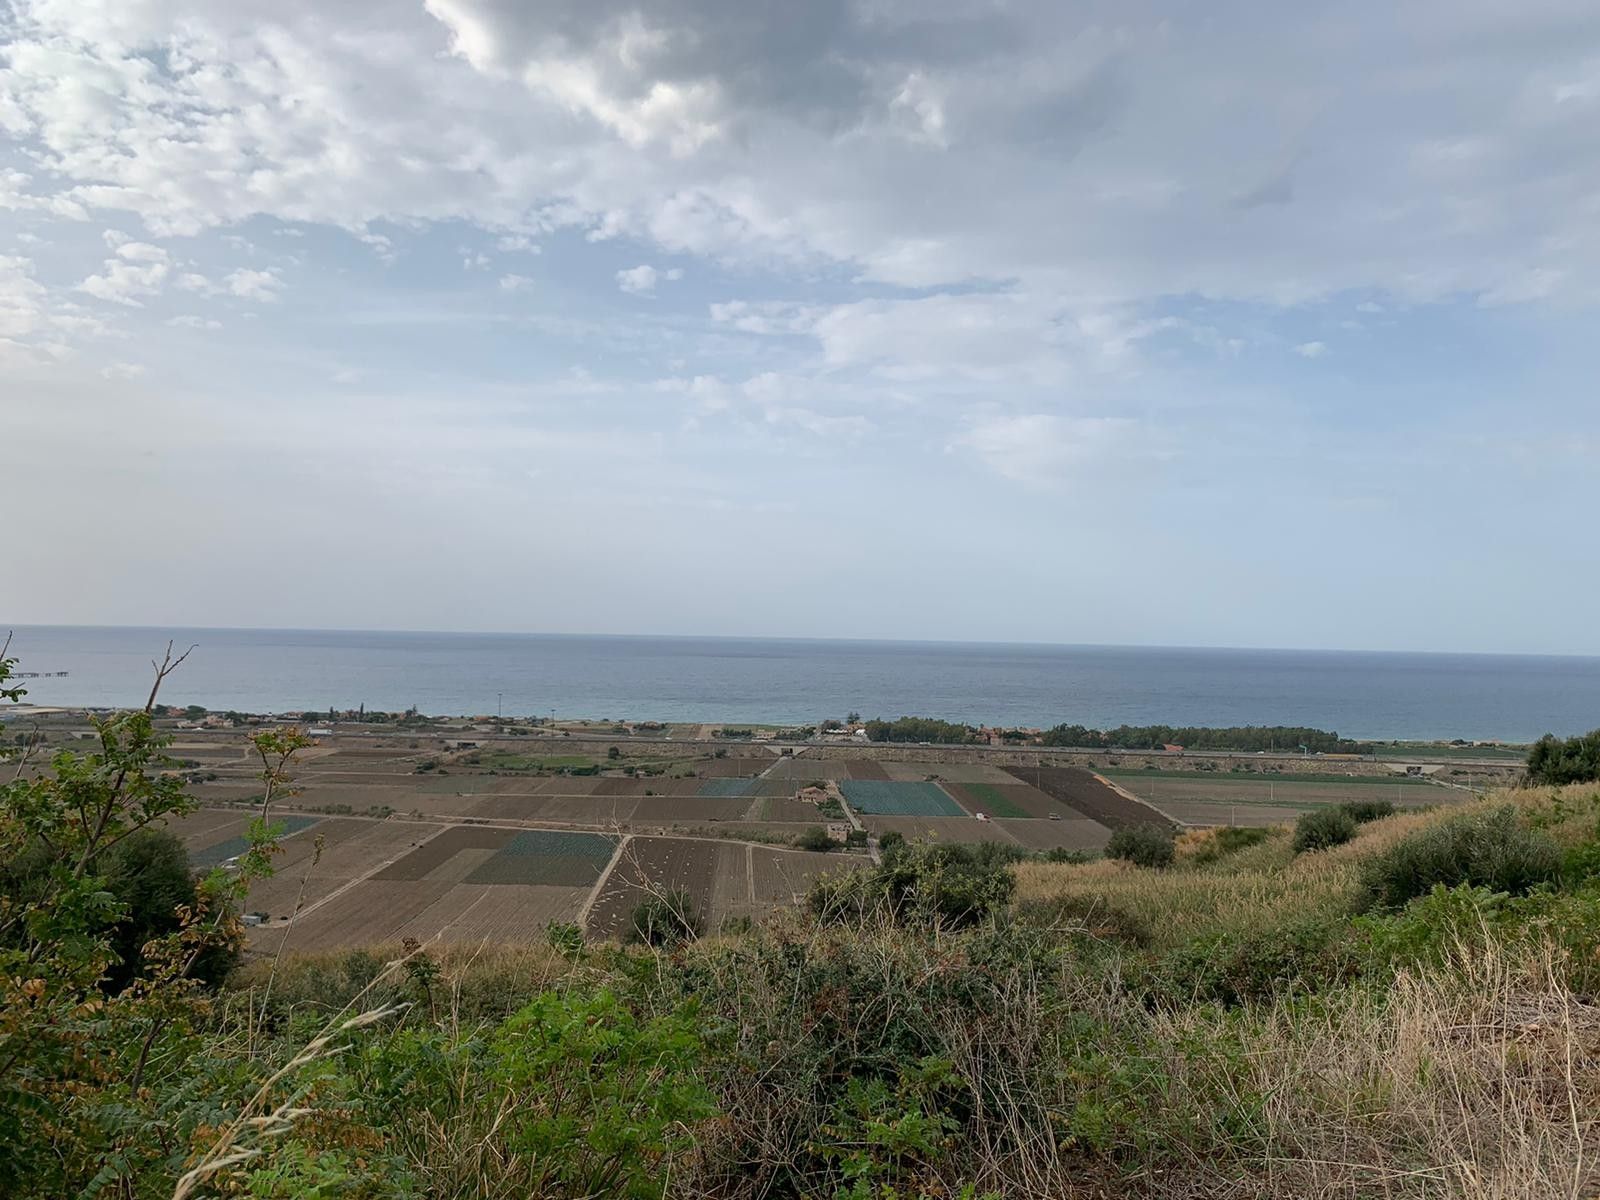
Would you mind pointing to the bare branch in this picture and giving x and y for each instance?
(165, 667)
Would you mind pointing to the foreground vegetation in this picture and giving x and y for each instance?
(1400, 1006)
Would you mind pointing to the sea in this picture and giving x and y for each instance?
(1364, 695)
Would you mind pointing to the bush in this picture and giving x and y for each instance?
(1227, 839)
(608, 1097)
(1362, 811)
(1322, 829)
(953, 886)
(1493, 851)
(1143, 845)
(1060, 854)
(666, 920)
(1094, 915)
(1238, 967)
(815, 838)
(1555, 762)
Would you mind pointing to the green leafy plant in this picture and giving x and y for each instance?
(1322, 829)
(1143, 845)
(665, 920)
(597, 1097)
(1492, 850)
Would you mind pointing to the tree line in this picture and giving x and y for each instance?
(1129, 737)
(1233, 737)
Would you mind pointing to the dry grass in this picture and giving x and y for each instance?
(1478, 1081)
(1267, 886)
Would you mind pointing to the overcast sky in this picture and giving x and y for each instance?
(1179, 323)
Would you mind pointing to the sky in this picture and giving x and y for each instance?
(1235, 323)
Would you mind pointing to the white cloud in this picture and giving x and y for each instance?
(1045, 449)
(1311, 349)
(642, 280)
(191, 321)
(517, 244)
(514, 283)
(138, 269)
(122, 370)
(250, 284)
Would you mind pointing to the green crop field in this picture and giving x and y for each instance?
(992, 800)
(221, 852)
(899, 799)
(1262, 778)
(728, 788)
(548, 857)
(1509, 754)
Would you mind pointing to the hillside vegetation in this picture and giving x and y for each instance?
(1407, 1012)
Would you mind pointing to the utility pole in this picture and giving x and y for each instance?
(499, 704)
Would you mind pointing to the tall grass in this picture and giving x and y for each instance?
(1021, 1058)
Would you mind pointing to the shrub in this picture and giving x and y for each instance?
(1362, 811)
(1143, 845)
(1322, 829)
(1094, 915)
(607, 1097)
(1227, 839)
(1556, 762)
(1237, 967)
(1492, 850)
(953, 886)
(891, 842)
(666, 920)
(1060, 854)
(564, 937)
(815, 838)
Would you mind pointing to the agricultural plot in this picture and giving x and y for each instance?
(1088, 796)
(945, 830)
(727, 788)
(372, 912)
(1069, 833)
(867, 768)
(1203, 814)
(215, 853)
(196, 828)
(899, 799)
(435, 852)
(1291, 794)
(732, 768)
(350, 849)
(714, 875)
(784, 876)
(507, 912)
(545, 856)
(534, 856)
(959, 772)
(985, 798)
(775, 808)
(804, 770)
(666, 810)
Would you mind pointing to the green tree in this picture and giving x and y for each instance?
(99, 990)
(1554, 762)
(1143, 845)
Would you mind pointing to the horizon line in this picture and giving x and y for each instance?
(865, 641)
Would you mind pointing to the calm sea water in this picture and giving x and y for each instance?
(1364, 695)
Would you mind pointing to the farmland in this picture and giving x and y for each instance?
(386, 837)
(1199, 798)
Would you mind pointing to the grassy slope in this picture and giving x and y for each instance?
(1471, 1070)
